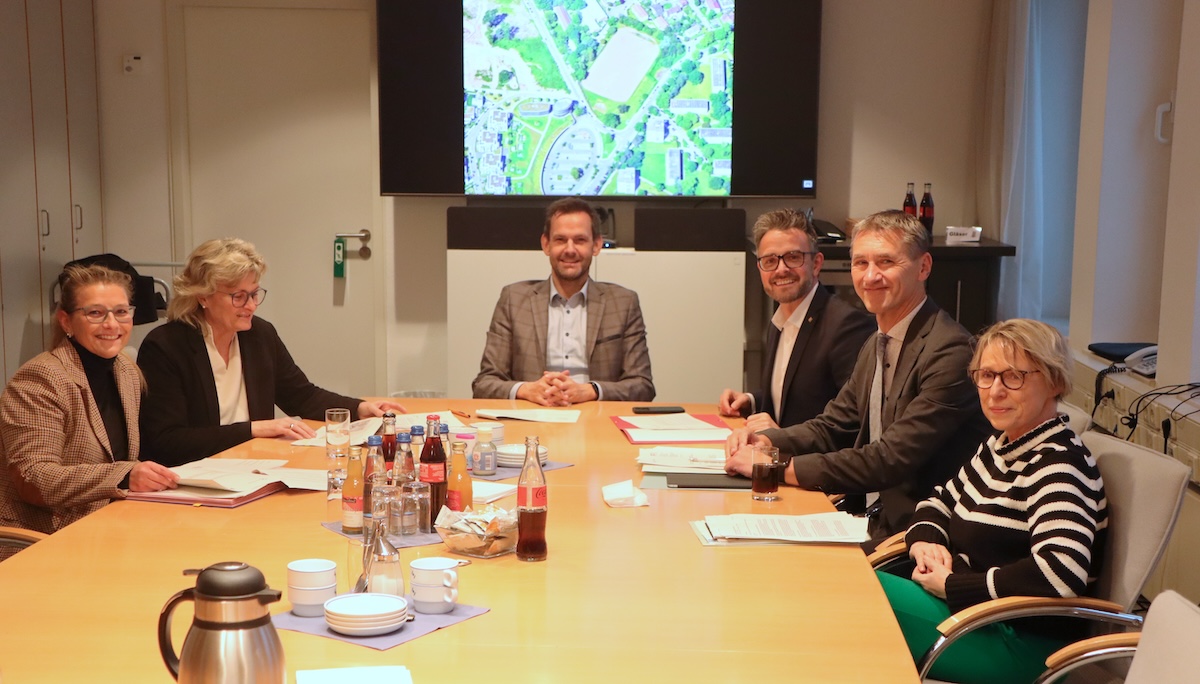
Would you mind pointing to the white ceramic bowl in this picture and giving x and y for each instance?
(365, 631)
(515, 453)
(310, 601)
(311, 572)
(366, 605)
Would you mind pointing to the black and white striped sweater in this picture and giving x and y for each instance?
(1026, 518)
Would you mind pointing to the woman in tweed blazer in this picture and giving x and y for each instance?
(69, 437)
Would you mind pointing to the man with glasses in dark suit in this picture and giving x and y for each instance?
(814, 337)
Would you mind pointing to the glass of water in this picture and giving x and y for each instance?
(337, 449)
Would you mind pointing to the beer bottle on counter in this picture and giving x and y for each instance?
(459, 492)
(433, 466)
(910, 201)
(389, 439)
(531, 506)
(374, 473)
(926, 210)
(352, 493)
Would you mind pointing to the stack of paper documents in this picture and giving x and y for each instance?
(359, 430)
(230, 482)
(532, 415)
(666, 459)
(816, 528)
(674, 428)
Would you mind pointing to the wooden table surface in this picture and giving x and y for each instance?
(627, 594)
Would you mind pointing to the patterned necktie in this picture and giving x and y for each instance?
(876, 407)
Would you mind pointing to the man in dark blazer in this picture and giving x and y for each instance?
(567, 339)
(927, 422)
(814, 337)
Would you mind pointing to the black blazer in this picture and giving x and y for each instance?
(826, 347)
(932, 425)
(180, 418)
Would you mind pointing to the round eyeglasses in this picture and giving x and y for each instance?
(99, 314)
(241, 297)
(1012, 378)
(770, 262)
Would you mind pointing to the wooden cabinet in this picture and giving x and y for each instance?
(50, 204)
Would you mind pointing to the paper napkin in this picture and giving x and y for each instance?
(624, 495)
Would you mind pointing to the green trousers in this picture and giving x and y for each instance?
(996, 654)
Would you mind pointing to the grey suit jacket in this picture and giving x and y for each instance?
(618, 359)
(56, 460)
(932, 424)
(823, 357)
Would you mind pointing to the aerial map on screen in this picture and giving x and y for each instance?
(597, 97)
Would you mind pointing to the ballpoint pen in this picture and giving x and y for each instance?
(461, 414)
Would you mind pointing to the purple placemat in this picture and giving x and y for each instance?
(400, 542)
(506, 473)
(419, 627)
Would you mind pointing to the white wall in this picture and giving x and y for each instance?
(898, 86)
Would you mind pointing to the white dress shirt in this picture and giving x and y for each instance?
(231, 386)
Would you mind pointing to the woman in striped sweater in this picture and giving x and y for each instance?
(1026, 516)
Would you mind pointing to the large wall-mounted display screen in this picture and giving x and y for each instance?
(686, 98)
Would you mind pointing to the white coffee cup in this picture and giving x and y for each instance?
(310, 601)
(434, 598)
(435, 571)
(497, 429)
(311, 572)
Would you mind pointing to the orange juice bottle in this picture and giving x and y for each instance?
(459, 491)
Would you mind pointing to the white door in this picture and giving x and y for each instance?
(272, 116)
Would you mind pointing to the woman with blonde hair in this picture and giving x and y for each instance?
(1026, 516)
(69, 437)
(215, 371)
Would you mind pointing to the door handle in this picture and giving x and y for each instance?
(78, 217)
(364, 235)
(46, 232)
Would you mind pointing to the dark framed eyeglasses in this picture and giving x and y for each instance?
(241, 297)
(1012, 378)
(99, 314)
(770, 262)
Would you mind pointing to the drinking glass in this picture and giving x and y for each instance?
(355, 550)
(765, 473)
(414, 516)
(337, 449)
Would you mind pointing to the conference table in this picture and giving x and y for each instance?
(627, 594)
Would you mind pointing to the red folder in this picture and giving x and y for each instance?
(711, 418)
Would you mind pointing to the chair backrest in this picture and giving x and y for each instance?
(1167, 650)
(1145, 492)
(1077, 419)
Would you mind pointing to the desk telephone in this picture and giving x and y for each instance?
(1143, 361)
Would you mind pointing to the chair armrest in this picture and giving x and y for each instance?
(887, 550)
(1084, 647)
(1097, 649)
(20, 536)
(1012, 607)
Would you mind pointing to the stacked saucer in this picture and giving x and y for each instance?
(513, 455)
(366, 614)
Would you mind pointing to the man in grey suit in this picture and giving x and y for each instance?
(909, 417)
(567, 339)
(814, 337)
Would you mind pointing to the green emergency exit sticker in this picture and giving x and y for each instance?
(339, 257)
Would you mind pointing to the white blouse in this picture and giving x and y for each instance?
(231, 386)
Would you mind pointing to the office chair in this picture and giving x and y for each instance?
(1145, 494)
(18, 537)
(1163, 652)
(1077, 419)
